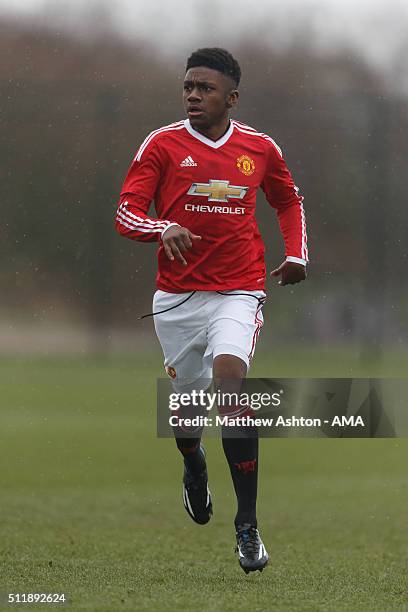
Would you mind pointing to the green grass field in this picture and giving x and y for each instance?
(91, 500)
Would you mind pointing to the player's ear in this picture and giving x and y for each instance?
(232, 98)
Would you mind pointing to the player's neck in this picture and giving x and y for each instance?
(215, 132)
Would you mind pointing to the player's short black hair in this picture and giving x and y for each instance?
(217, 59)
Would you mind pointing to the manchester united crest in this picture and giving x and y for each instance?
(246, 165)
(171, 372)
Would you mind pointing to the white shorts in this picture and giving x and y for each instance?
(204, 326)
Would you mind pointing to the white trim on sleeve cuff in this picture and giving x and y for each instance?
(167, 227)
(294, 259)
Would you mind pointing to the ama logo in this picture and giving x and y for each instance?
(345, 421)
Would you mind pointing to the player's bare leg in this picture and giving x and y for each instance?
(240, 445)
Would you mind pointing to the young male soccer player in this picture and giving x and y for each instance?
(203, 174)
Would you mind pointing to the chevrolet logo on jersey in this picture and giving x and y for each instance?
(217, 191)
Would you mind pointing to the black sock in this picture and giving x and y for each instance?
(188, 442)
(242, 456)
(193, 459)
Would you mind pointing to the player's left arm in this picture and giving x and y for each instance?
(283, 195)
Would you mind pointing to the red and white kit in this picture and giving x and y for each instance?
(210, 188)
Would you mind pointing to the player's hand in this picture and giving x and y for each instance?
(290, 272)
(176, 241)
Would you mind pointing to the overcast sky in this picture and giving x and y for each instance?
(377, 29)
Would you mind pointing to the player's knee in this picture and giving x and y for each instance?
(229, 367)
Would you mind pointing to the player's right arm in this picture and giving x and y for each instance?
(139, 189)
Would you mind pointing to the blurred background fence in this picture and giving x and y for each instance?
(74, 109)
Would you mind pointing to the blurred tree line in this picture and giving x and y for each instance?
(73, 112)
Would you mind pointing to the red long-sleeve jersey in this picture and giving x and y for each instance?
(210, 188)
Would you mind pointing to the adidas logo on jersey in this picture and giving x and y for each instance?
(189, 161)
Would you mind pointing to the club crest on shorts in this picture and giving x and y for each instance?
(246, 165)
(171, 372)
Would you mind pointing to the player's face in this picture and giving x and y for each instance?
(208, 97)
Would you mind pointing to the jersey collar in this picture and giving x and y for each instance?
(215, 144)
